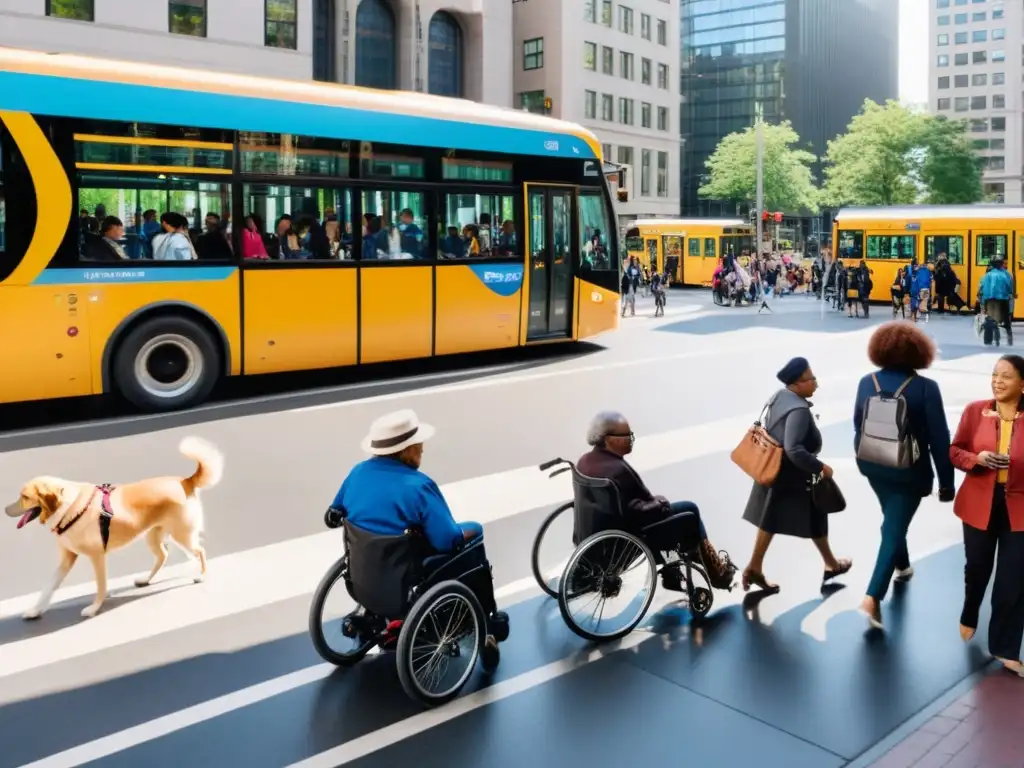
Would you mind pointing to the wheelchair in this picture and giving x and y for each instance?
(601, 567)
(426, 608)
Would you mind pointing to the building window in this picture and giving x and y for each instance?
(979, 126)
(943, 104)
(607, 60)
(960, 38)
(942, 60)
(997, 163)
(979, 36)
(998, 102)
(325, 35)
(981, 79)
(589, 11)
(998, 123)
(997, 12)
(625, 20)
(645, 71)
(979, 102)
(960, 60)
(79, 10)
(626, 111)
(663, 174)
(960, 81)
(978, 16)
(645, 26)
(590, 56)
(996, 56)
(532, 101)
(590, 105)
(662, 32)
(981, 57)
(998, 78)
(625, 156)
(606, 152)
(662, 118)
(943, 40)
(663, 76)
(645, 115)
(961, 18)
(280, 23)
(626, 65)
(533, 53)
(187, 17)
(645, 173)
(998, 34)
(998, 143)
(444, 65)
(962, 103)
(607, 107)
(376, 49)
(943, 21)
(942, 3)
(943, 83)
(606, 12)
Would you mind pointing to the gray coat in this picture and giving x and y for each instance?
(785, 507)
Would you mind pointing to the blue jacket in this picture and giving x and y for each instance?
(383, 496)
(922, 279)
(927, 423)
(997, 284)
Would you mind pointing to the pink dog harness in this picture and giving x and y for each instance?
(106, 513)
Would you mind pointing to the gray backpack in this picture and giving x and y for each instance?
(885, 437)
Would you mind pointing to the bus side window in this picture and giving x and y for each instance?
(596, 243)
(694, 246)
(709, 247)
(17, 205)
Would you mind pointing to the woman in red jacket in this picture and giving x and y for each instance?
(989, 447)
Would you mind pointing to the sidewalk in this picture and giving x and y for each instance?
(982, 728)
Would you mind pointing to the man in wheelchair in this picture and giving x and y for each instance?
(388, 495)
(611, 440)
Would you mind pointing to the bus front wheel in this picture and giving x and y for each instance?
(166, 363)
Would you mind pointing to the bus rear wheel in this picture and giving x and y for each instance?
(166, 363)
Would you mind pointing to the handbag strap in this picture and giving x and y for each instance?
(761, 420)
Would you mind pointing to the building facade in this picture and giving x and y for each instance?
(812, 62)
(612, 67)
(446, 47)
(975, 74)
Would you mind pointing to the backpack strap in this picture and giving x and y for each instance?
(874, 380)
(903, 386)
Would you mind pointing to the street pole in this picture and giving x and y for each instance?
(760, 203)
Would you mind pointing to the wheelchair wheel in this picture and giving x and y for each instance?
(342, 641)
(609, 566)
(441, 639)
(545, 581)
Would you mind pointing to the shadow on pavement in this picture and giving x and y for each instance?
(732, 691)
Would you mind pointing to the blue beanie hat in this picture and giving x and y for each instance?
(793, 370)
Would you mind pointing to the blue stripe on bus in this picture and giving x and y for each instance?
(62, 96)
(503, 279)
(128, 274)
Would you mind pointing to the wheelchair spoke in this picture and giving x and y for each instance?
(439, 646)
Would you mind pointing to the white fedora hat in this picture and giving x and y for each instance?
(395, 432)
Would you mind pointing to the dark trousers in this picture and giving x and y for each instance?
(1006, 627)
(471, 559)
(999, 310)
(898, 508)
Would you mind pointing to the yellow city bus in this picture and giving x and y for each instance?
(355, 226)
(969, 235)
(689, 248)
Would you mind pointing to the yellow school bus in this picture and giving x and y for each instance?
(969, 235)
(161, 228)
(689, 248)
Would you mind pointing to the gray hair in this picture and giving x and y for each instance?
(601, 425)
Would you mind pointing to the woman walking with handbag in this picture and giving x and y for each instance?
(785, 505)
(898, 421)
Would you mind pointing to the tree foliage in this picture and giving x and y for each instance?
(891, 155)
(788, 182)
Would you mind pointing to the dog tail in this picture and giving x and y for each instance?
(210, 463)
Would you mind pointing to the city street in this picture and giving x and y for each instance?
(223, 673)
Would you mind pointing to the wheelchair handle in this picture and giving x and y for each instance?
(549, 464)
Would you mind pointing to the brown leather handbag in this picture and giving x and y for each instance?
(759, 454)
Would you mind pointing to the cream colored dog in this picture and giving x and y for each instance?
(89, 520)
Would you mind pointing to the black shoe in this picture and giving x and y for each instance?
(672, 579)
(498, 626)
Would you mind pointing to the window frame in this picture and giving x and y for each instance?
(587, 45)
(205, 25)
(518, 218)
(537, 55)
(988, 258)
(912, 239)
(931, 254)
(92, 11)
(294, 25)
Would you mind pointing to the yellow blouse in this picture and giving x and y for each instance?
(1005, 432)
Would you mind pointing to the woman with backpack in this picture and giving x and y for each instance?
(900, 430)
(991, 507)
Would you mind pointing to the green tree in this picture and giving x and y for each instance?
(950, 168)
(892, 155)
(788, 182)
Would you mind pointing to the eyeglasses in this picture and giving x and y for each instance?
(630, 435)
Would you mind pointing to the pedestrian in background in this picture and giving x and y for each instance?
(995, 295)
(989, 448)
(902, 479)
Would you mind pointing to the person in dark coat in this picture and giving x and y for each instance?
(900, 350)
(611, 440)
(785, 507)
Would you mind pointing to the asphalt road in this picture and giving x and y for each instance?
(223, 673)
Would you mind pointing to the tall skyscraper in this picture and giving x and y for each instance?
(812, 62)
(612, 67)
(975, 74)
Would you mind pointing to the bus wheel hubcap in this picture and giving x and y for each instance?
(168, 365)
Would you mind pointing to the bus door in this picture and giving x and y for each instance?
(986, 245)
(671, 252)
(652, 254)
(953, 246)
(551, 236)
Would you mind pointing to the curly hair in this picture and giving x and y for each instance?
(901, 345)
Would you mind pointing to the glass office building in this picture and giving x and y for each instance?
(809, 61)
